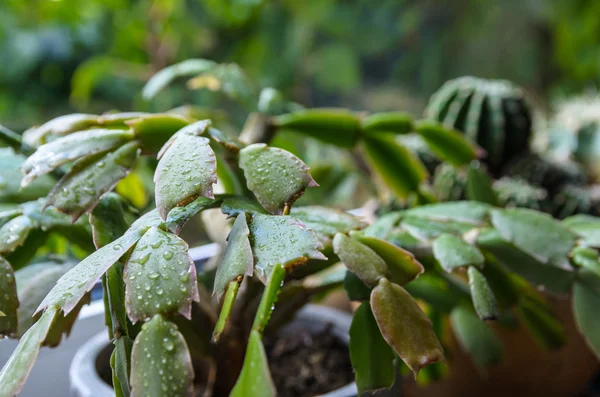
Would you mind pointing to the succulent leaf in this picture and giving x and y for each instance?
(160, 277)
(275, 176)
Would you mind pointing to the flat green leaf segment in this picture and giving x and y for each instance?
(14, 232)
(587, 258)
(163, 78)
(404, 326)
(586, 302)
(81, 278)
(402, 172)
(237, 260)
(483, 297)
(153, 130)
(161, 365)
(555, 279)
(402, 265)
(281, 240)
(461, 211)
(392, 122)
(268, 299)
(587, 227)
(17, 368)
(255, 379)
(233, 206)
(360, 259)
(326, 222)
(178, 216)
(69, 148)
(9, 300)
(337, 126)
(537, 234)
(10, 171)
(476, 338)
(81, 188)
(187, 169)
(452, 252)
(479, 185)
(447, 144)
(543, 325)
(372, 358)
(34, 282)
(160, 277)
(275, 176)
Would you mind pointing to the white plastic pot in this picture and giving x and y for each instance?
(85, 381)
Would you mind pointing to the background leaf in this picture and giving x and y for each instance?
(476, 338)
(372, 358)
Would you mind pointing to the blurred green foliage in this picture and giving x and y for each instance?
(59, 56)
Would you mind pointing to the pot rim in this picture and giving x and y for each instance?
(85, 381)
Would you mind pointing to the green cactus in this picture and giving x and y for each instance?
(493, 113)
(575, 131)
(449, 183)
(548, 174)
(515, 192)
(573, 199)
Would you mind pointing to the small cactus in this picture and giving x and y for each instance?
(493, 113)
(515, 192)
(575, 131)
(548, 174)
(573, 199)
(449, 183)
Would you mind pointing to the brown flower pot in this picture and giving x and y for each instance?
(527, 370)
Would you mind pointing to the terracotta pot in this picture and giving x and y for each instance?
(527, 370)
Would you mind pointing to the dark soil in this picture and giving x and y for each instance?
(305, 365)
(301, 364)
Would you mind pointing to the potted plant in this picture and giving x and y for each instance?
(147, 275)
(467, 262)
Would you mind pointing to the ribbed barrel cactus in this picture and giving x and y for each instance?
(575, 131)
(515, 192)
(493, 113)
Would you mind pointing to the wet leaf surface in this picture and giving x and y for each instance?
(186, 170)
(160, 277)
(281, 240)
(81, 278)
(237, 260)
(275, 176)
(326, 222)
(14, 232)
(81, 188)
(69, 148)
(9, 300)
(161, 365)
(17, 368)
